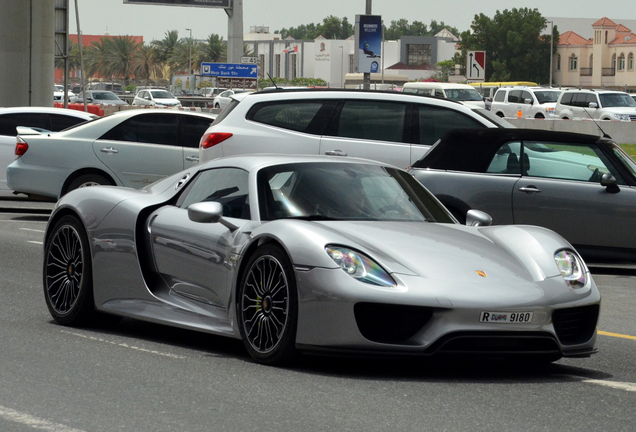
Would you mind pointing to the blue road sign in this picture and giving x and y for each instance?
(230, 70)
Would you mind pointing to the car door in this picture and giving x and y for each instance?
(142, 149)
(193, 258)
(191, 129)
(561, 190)
(371, 129)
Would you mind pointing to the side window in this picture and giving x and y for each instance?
(514, 96)
(506, 160)
(592, 98)
(434, 122)
(525, 95)
(372, 120)
(439, 93)
(581, 162)
(9, 122)
(228, 186)
(566, 99)
(192, 129)
(294, 115)
(61, 122)
(500, 96)
(146, 128)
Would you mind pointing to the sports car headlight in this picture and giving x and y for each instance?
(572, 268)
(359, 266)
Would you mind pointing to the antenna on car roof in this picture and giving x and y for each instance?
(597, 125)
(272, 80)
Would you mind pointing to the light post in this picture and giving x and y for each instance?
(342, 65)
(551, 53)
(190, 61)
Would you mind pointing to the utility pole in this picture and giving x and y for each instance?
(551, 53)
(366, 81)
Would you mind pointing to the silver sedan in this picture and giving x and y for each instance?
(316, 254)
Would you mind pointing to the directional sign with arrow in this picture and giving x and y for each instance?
(476, 66)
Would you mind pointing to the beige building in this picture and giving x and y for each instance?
(605, 60)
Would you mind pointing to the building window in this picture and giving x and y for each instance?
(574, 62)
(558, 62)
(630, 61)
(621, 62)
(419, 54)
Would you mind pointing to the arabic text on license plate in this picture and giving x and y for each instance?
(506, 317)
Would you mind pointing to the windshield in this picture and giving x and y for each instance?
(463, 94)
(160, 94)
(625, 158)
(337, 191)
(104, 96)
(547, 96)
(616, 100)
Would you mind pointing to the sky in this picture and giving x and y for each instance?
(153, 21)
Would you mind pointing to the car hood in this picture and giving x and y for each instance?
(450, 251)
(167, 101)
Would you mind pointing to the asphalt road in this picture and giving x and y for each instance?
(135, 376)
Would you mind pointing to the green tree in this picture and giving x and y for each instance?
(331, 28)
(515, 48)
(213, 50)
(303, 31)
(401, 27)
(167, 46)
(146, 64)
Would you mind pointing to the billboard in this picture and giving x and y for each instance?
(197, 3)
(369, 42)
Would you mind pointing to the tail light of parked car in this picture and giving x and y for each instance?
(211, 139)
(21, 147)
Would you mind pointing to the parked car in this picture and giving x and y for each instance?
(58, 93)
(318, 254)
(212, 92)
(102, 97)
(41, 118)
(116, 88)
(156, 97)
(129, 148)
(387, 126)
(223, 99)
(581, 186)
(533, 102)
(454, 91)
(576, 104)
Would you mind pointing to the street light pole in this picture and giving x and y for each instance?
(551, 53)
(190, 64)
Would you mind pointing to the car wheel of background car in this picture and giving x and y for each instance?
(267, 306)
(500, 114)
(217, 106)
(539, 116)
(68, 279)
(87, 180)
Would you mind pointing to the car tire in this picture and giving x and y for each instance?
(67, 273)
(267, 306)
(217, 106)
(539, 116)
(87, 180)
(500, 114)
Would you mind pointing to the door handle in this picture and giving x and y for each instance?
(335, 153)
(530, 189)
(109, 150)
(192, 158)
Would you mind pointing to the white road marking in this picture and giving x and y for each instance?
(124, 345)
(34, 422)
(611, 384)
(35, 242)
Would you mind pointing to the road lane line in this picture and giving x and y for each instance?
(125, 345)
(35, 242)
(34, 422)
(31, 229)
(612, 384)
(618, 335)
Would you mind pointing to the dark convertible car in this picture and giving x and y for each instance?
(581, 186)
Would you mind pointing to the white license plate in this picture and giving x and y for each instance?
(506, 317)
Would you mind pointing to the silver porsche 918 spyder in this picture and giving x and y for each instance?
(307, 253)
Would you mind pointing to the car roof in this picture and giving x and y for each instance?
(48, 110)
(473, 149)
(251, 162)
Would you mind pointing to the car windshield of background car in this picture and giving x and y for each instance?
(162, 95)
(104, 96)
(545, 96)
(616, 100)
(463, 94)
(625, 158)
(325, 191)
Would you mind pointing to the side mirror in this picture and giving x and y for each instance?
(609, 181)
(209, 212)
(478, 218)
(527, 101)
(593, 105)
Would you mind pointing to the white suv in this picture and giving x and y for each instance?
(533, 102)
(390, 127)
(596, 104)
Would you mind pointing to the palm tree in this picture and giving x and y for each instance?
(214, 50)
(165, 50)
(122, 52)
(181, 55)
(146, 64)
